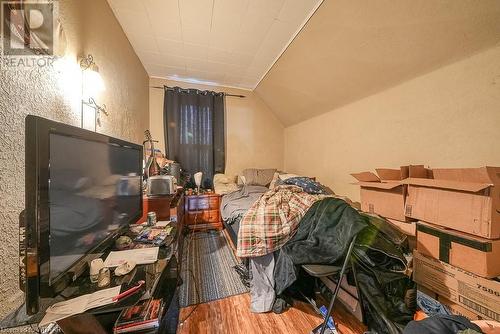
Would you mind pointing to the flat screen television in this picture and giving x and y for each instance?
(82, 189)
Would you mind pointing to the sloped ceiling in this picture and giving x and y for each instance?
(350, 49)
(217, 42)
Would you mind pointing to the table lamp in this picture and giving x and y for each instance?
(197, 179)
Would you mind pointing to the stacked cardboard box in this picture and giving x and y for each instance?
(458, 233)
(458, 236)
(385, 193)
(479, 296)
(462, 199)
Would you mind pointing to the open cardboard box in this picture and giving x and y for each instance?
(478, 255)
(472, 292)
(464, 199)
(383, 193)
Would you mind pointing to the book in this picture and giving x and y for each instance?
(146, 314)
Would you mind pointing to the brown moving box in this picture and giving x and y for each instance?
(477, 255)
(348, 295)
(427, 291)
(383, 194)
(456, 309)
(464, 199)
(408, 228)
(466, 289)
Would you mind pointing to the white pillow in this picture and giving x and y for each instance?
(222, 179)
(241, 180)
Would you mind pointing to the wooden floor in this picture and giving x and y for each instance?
(232, 315)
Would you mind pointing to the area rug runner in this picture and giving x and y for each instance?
(207, 269)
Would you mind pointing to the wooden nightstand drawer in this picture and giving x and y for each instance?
(214, 202)
(210, 216)
(198, 203)
(203, 217)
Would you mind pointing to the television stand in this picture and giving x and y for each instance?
(162, 281)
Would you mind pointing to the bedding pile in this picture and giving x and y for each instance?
(323, 237)
(281, 228)
(273, 220)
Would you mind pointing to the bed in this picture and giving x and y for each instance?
(235, 204)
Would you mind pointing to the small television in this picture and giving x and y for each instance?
(81, 190)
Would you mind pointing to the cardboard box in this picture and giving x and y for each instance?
(466, 289)
(456, 309)
(427, 291)
(383, 194)
(463, 199)
(408, 228)
(477, 255)
(348, 295)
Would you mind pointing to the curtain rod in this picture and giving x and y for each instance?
(225, 94)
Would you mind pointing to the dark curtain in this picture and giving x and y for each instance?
(194, 131)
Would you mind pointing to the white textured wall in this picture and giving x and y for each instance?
(446, 118)
(55, 93)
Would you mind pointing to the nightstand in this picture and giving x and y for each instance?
(202, 212)
(168, 207)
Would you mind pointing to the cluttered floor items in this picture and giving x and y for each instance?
(207, 269)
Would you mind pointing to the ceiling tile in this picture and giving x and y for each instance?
(242, 59)
(136, 22)
(169, 9)
(195, 35)
(247, 43)
(136, 6)
(170, 47)
(296, 10)
(164, 71)
(167, 29)
(256, 25)
(275, 41)
(161, 59)
(195, 51)
(196, 64)
(196, 12)
(213, 77)
(232, 80)
(227, 14)
(265, 7)
(143, 43)
(164, 18)
(214, 54)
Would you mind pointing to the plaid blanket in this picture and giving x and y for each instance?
(273, 220)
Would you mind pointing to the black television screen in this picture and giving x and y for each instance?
(94, 189)
(81, 189)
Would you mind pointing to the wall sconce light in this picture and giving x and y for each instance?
(92, 84)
